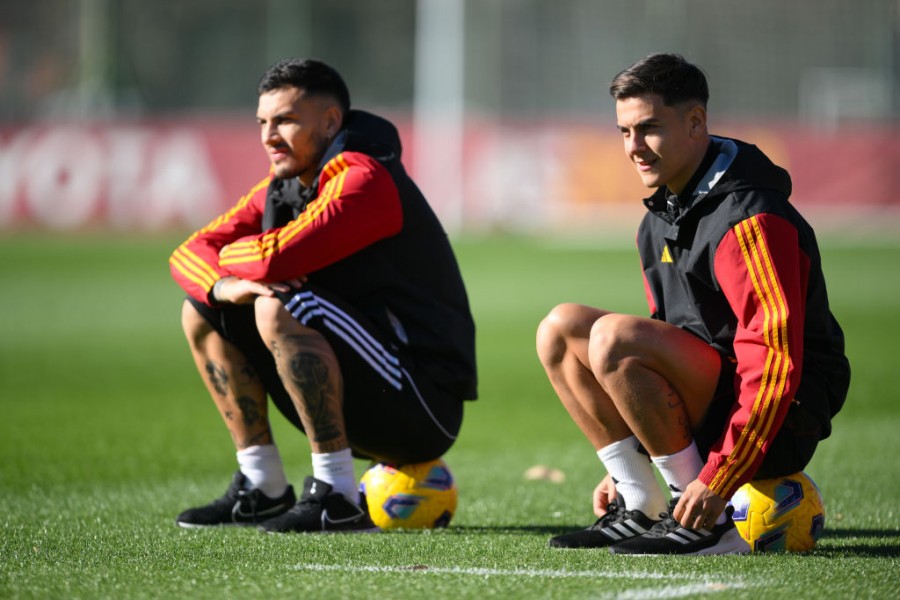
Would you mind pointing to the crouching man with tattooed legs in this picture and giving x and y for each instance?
(332, 289)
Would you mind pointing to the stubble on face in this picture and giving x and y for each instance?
(293, 129)
(304, 165)
(659, 141)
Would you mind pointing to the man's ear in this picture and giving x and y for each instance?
(697, 119)
(334, 119)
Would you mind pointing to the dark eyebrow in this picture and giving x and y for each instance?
(641, 124)
(646, 123)
(279, 116)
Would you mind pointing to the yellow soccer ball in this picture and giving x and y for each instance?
(782, 514)
(410, 496)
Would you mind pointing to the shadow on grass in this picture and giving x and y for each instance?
(888, 544)
(514, 529)
(862, 543)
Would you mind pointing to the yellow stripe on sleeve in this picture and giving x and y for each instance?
(777, 363)
(191, 270)
(274, 241)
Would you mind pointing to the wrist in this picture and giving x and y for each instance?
(216, 292)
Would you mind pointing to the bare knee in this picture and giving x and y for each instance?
(612, 342)
(270, 315)
(195, 327)
(565, 324)
(551, 337)
(273, 321)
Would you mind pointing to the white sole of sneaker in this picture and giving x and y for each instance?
(185, 525)
(730, 543)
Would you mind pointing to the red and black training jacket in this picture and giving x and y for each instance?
(364, 233)
(739, 267)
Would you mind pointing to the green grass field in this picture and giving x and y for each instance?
(106, 433)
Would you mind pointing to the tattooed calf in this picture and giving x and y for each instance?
(218, 377)
(673, 402)
(249, 410)
(311, 376)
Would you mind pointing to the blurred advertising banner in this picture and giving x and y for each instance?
(143, 176)
(516, 176)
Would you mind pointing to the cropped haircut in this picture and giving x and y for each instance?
(313, 76)
(669, 76)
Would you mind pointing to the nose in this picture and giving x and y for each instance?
(269, 133)
(634, 144)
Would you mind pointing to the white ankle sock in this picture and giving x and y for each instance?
(634, 477)
(262, 467)
(336, 468)
(680, 469)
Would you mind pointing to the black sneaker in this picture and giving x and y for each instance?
(669, 537)
(617, 525)
(239, 506)
(320, 509)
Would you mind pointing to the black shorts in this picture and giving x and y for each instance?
(793, 446)
(393, 412)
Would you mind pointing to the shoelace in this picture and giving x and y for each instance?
(668, 523)
(612, 513)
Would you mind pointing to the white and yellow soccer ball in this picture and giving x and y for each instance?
(410, 496)
(782, 514)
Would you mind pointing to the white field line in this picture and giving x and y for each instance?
(680, 591)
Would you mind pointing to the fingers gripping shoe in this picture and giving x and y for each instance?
(239, 506)
(615, 526)
(669, 537)
(320, 509)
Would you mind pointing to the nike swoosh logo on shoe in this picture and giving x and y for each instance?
(274, 510)
(326, 521)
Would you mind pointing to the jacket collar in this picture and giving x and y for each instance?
(672, 208)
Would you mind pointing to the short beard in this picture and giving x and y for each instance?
(322, 143)
(286, 173)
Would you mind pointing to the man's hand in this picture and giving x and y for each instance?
(234, 290)
(698, 507)
(604, 493)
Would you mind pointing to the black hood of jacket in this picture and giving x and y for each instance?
(750, 169)
(367, 133)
